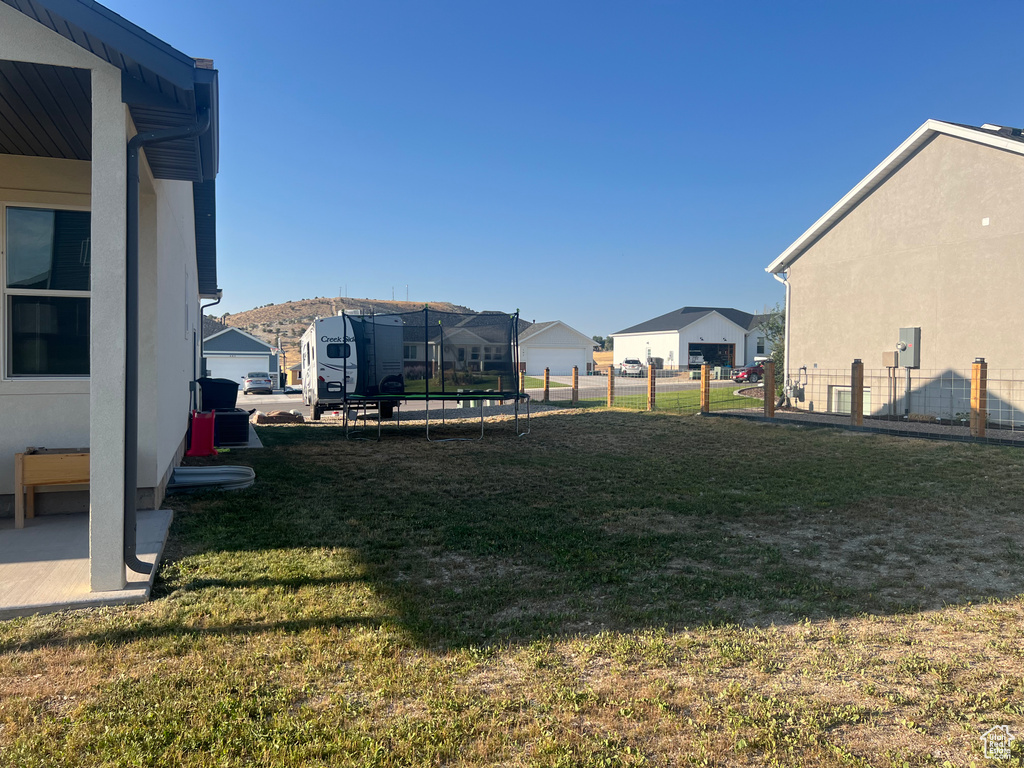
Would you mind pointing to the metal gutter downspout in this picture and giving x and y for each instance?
(131, 335)
(784, 279)
(202, 349)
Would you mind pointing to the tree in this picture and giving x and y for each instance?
(774, 329)
(605, 342)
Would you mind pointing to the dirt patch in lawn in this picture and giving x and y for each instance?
(924, 553)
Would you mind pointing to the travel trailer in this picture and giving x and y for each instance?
(348, 356)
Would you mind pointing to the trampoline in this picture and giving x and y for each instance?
(356, 363)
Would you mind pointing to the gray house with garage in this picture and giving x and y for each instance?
(231, 353)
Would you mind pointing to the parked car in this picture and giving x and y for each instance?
(257, 382)
(631, 366)
(751, 374)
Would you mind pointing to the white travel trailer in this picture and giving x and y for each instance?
(350, 356)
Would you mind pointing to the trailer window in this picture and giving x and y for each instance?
(338, 351)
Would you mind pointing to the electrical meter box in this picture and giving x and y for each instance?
(909, 348)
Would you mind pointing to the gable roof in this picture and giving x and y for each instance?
(997, 136)
(681, 318)
(235, 340)
(536, 329)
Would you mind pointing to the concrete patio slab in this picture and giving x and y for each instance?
(44, 567)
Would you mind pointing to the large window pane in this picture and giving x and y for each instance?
(49, 336)
(48, 250)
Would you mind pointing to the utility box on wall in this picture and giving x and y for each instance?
(909, 348)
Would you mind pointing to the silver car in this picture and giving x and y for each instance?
(631, 366)
(257, 382)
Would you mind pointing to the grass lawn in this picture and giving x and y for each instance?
(532, 382)
(687, 401)
(616, 589)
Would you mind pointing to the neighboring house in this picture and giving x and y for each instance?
(295, 374)
(474, 343)
(931, 238)
(556, 346)
(718, 335)
(78, 82)
(232, 353)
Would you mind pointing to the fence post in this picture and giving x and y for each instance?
(857, 393)
(547, 384)
(705, 388)
(575, 384)
(611, 386)
(651, 378)
(769, 389)
(979, 397)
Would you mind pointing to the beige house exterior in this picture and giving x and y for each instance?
(79, 83)
(931, 238)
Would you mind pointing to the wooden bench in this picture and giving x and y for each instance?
(39, 467)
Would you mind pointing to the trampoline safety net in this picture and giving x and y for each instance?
(433, 354)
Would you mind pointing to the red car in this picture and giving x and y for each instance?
(751, 374)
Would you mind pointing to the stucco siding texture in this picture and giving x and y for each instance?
(917, 252)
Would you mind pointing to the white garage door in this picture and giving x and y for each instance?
(233, 367)
(559, 360)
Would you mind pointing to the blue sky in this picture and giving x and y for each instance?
(595, 162)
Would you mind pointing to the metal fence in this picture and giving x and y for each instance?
(971, 403)
(677, 391)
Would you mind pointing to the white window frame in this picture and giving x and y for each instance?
(6, 293)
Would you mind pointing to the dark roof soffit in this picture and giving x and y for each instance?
(161, 85)
(204, 205)
(111, 37)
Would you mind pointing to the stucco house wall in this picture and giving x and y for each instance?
(55, 412)
(937, 245)
(92, 119)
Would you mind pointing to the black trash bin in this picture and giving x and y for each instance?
(230, 424)
(218, 394)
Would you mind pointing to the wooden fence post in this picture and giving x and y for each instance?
(979, 397)
(857, 393)
(705, 388)
(547, 384)
(575, 384)
(611, 386)
(769, 389)
(651, 378)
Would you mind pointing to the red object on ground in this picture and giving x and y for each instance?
(201, 443)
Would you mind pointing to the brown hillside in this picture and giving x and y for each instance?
(289, 320)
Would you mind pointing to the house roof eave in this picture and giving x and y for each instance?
(929, 130)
